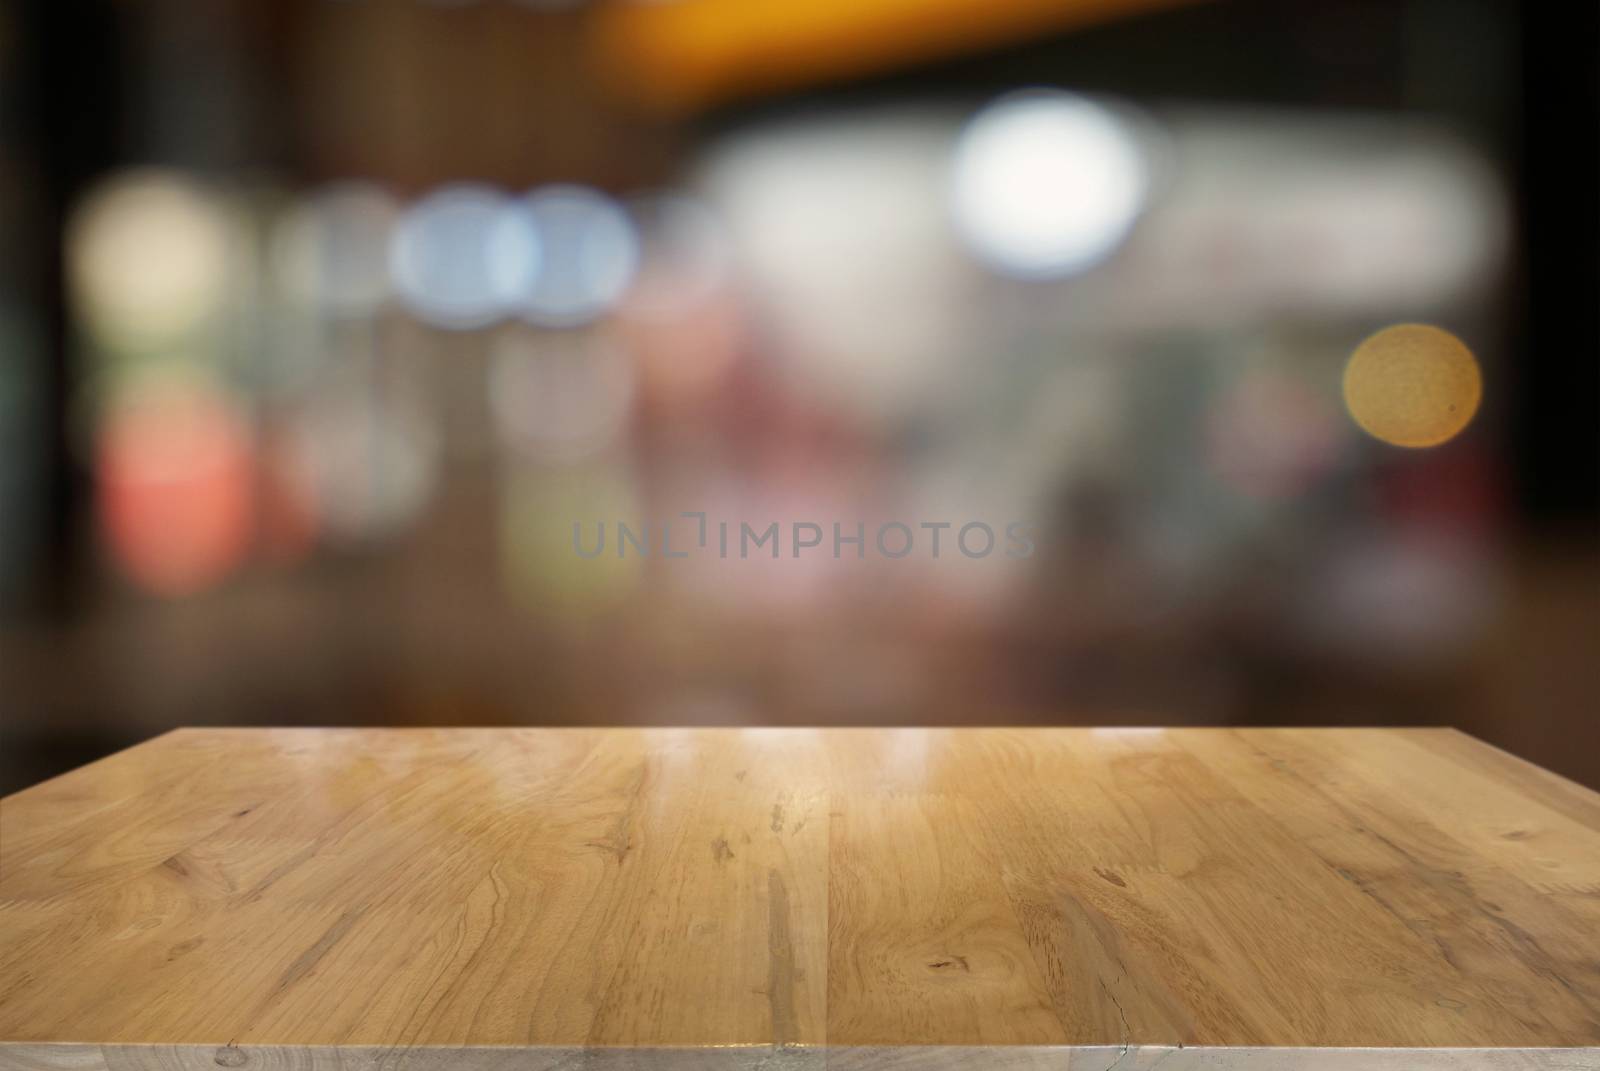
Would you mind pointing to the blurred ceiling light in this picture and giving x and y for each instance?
(1412, 385)
(173, 479)
(559, 397)
(590, 252)
(462, 257)
(840, 227)
(148, 256)
(1289, 214)
(1046, 184)
(367, 465)
(691, 53)
(330, 250)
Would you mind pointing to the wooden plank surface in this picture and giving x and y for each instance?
(853, 898)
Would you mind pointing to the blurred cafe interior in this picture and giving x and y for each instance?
(332, 333)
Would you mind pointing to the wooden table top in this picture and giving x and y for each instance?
(837, 898)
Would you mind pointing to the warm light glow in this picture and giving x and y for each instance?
(173, 477)
(149, 258)
(539, 508)
(1046, 184)
(692, 53)
(1412, 385)
(680, 317)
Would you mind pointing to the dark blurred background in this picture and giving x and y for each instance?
(322, 322)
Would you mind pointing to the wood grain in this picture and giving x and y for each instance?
(854, 898)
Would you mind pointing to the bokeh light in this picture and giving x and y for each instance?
(330, 250)
(1401, 596)
(840, 234)
(173, 479)
(1412, 385)
(590, 252)
(539, 507)
(441, 288)
(463, 257)
(1046, 184)
(680, 317)
(559, 397)
(363, 463)
(148, 254)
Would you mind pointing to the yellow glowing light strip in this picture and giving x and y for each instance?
(678, 55)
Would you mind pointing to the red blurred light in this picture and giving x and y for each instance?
(174, 488)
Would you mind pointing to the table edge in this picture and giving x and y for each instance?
(84, 1056)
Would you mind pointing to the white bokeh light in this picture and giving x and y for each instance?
(367, 464)
(590, 253)
(149, 257)
(1046, 184)
(330, 250)
(464, 256)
